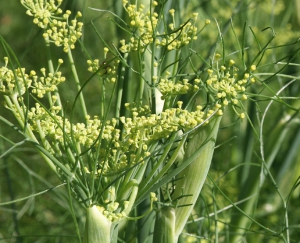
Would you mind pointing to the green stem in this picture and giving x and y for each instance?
(51, 70)
(120, 88)
(164, 229)
(73, 68)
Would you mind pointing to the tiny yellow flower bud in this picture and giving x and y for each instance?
(207, 22)
(246, 75)
(244, 97)
(225, 102)
(217, 56)
(253, 68)
(32, 73)
(28, 12)
(153, 197)
(79, 14)
(172, 11)
(197, 81)
(210, 71)
(125, 204)
(132, 22)
(179, 103)
(154, 78)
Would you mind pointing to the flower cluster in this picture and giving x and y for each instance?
(141, 110)
(178, 37)
(56, 24)
(43, 11)
(109, 211)
(226, 88)
(107, 70)
(47, 83)
(14, 82)
(146, 23)
(114, 212)
(154, 127)
(127, 149)
(168, 87)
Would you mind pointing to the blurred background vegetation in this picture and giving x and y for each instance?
(236, 172)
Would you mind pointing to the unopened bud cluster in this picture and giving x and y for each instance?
(143, 26)
(114, 212)
(16, 82)
(171, 87)
(141, 22)
(127, 149)
(56, 24)
(179, 36)
(226, 88)
(107, 70)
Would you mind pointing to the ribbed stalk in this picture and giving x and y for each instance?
(192, 178)
(97, 227)
(164, 230)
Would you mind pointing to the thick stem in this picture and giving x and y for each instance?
(164, 230)
(97, 227)
(192, 178)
